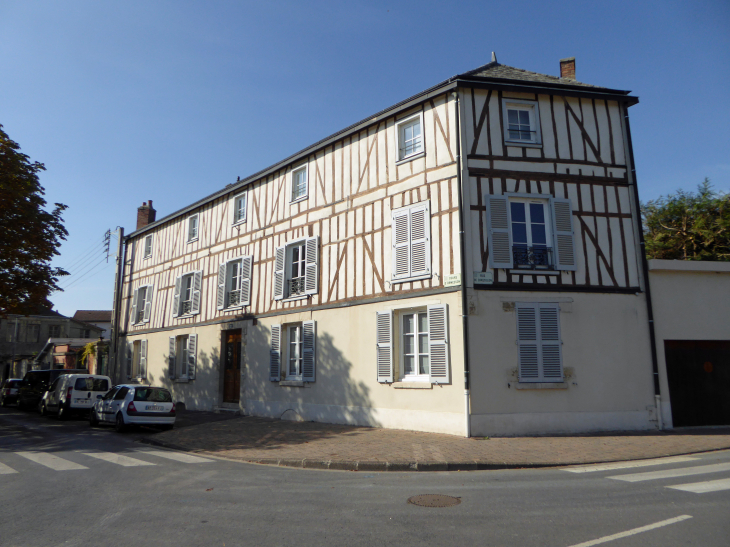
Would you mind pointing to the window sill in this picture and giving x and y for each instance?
(192, 240)
(181, 380)
(541, 385)
(523, 144)
(238, 223)
(146, 257)
(528, 271)
(186, 316)
(406, 280)
(411, 158)
(412, 385)
(295, 298)
(303, 198)
(291, 383)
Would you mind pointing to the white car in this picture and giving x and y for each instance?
(74, 394)
(126, 405)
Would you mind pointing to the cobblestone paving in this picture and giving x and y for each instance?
(316, 445)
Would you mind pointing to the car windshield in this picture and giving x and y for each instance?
(92, 384)
(152, 394)
(14, 384)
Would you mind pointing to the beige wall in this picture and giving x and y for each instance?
(346, 389)
(606, 358)
(691, 301)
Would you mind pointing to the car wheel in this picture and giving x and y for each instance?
(119, 426)
(93, 422)
(5, 402)
(61, 411)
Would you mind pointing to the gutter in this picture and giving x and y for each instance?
(645, 268)
(462, 246)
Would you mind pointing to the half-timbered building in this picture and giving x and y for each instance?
(467, 261)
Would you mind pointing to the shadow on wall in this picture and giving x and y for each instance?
(202, 393)
(334, 397)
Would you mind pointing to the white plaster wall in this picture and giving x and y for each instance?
(607, 366)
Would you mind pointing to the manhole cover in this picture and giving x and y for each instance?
(434, 500)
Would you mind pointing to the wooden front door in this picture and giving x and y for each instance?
(231, 366)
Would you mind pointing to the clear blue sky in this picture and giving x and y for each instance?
(172, 100)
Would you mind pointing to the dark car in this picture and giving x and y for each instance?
(9, 391)
(36, 383)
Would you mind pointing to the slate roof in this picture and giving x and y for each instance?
(497, 71)
(101, 316)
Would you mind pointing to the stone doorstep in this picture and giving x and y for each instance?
(227, 408)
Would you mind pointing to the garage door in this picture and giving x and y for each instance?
(699, 381)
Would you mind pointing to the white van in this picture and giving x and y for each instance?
(74, 394)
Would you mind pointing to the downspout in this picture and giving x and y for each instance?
(462, 246)
(645, 268)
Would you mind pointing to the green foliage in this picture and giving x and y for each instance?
(89, 349)
(30, 234)
(688, 225)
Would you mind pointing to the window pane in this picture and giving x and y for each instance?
(518, 212)
(417, 129)
(512, 116)
(537, 213)
(519, 233)
(423, 364)
(408, 363)
(538, 234)
(423, 343)
(524, 117)
(408, 324)
(423, 322)
(408, 344)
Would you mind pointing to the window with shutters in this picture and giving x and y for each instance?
(186, 299)
(538, 342)
(296, 269)
(420, 340)
(410, 138)
(239, 208)
(193, 228)
(299, 184)
(527, 232)
(147, 247)
(293, 352)
(142, 305)
(182, 357)
(54, 331)
(521, 122)
(411, 238)
(137, 366)
(234, 283)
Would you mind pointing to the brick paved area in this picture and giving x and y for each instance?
(327, 446)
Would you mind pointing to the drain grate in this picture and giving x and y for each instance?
(434, 500)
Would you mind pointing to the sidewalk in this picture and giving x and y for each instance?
(328, 446)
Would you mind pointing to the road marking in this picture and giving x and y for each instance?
(625, 465)
(704, 487)
(49, 460)
(633, 532)
(118, 459)
(670, 473)
(5, 470)
(177, 456)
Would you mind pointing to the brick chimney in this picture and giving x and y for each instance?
(145, 215)
(567, 68)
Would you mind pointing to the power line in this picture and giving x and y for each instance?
(99, 247)
(83, 254)
(86, 274)
(83, 269)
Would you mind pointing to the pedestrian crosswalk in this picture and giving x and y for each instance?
(715, 485)
(75, 460)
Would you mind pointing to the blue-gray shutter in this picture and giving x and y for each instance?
(401, 237)
(499, 232)
(528, 342)
(550, 345)
(147, 304)
(309, 356)
(384, 345)
(279, 273)
(176, 297)
(171, 357)
(564, 240)
(275, 354)
(246, 271)
(197, 281)
(192, 349)
(143, 359)
(420, 221)
(135, 297)
(438, 344)
(311, 266)
(221, 300)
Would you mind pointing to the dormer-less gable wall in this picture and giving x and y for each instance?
(579, 165)
(354, 184)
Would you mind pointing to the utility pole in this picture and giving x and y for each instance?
(116, 308)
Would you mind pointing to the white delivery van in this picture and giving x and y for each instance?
(74, 394)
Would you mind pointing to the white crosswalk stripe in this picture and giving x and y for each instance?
(704, 487)
(118, 459)
(628, 464)
(671, 473)
(5, 470)
(177, 456)
(51, 461)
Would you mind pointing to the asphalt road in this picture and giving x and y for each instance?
(66, 484)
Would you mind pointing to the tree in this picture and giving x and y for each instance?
(688, 226)
(29, 235)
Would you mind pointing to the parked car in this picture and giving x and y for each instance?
(9, 391)
(127, 405)
(74, 394)
(36, 383)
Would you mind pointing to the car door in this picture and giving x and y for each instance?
(53, 391)
(106, 404)
(116, 402)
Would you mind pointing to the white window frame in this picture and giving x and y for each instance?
(427, 273)
(147, 247)
(415, 377)
(242, 283)
(301, 169)
(548, 214)
(181, 356)
(190, 237)
(296, 330)
(534, 111)
(400, 126)
(236, 209)
(178, 303)
(137, 359)
(310, 244)
(140, 303)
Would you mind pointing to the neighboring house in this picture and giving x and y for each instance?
(98, 318)
(22, 337)
(66, 353)
(332, 285)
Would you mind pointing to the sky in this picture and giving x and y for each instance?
(169, 101)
